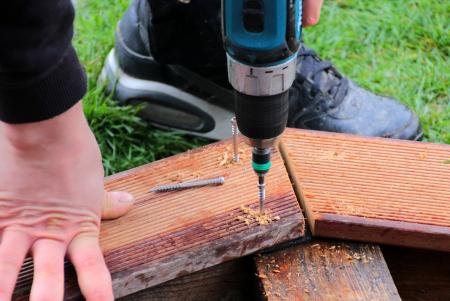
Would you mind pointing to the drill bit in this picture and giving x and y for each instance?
(235, 132)
(188, 184)
(262, 193)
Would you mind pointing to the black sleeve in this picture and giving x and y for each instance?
(40, 75)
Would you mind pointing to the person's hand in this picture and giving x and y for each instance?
(51, 192)
(311, 12)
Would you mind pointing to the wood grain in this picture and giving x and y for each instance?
(326, 270)
(171, 234)
(372, 189)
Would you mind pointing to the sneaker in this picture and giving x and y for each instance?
(191, 93)
(321, 98)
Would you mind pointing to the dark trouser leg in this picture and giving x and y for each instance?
(188, 34)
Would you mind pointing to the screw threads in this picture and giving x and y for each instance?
(262, 196)
(235, 133)
(189, 184)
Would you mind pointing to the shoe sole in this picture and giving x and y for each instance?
(166, 106)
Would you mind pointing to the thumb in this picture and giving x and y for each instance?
(116, 204)
(311, 12)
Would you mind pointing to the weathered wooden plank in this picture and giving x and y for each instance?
(372, 189)
(168, 235)
(227, 281)
(420, 275)
(326, 270)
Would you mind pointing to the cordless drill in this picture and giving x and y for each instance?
(261, 38)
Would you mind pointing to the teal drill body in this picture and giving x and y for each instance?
(262, 39)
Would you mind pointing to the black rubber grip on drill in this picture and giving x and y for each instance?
(261, 155)
(262, 117)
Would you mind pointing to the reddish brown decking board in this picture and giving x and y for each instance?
(326, 270)
(171, 234)
(372, 189)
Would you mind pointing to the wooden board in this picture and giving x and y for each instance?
(171, 234)
(420, 275)
(372, 189)
(326, 270)
(226, 281)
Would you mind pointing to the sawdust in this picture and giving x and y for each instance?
(197, 174)
(244, 219)
(251, 216)
(178, 177)
(182, 177)
(226, 159)
(261, 276)
(361, 257)
(422, 155)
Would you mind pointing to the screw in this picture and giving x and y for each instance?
(262, 193)
(235, 132)
(189, 184)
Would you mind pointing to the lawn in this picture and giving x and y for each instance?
(398, 48)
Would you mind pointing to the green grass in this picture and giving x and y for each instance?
(397, 48)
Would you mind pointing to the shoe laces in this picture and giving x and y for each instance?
(322, 76)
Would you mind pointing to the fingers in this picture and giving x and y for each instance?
(115, 204)
(311, 12)
(13, 249)
(93, 275)
(48, 282)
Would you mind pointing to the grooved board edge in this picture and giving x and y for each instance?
(382, 231)
(225, 249)
(371, 189)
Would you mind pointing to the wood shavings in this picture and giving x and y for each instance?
(251, 215)
(197, 174)
(422, 155)
(181, 177)
(276, 271)
(261, 276)
(244, 219)
(177, 177)
(226, 159)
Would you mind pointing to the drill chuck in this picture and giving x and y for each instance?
(261, 119)
(261, 162)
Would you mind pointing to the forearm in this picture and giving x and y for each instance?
(40, 75)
